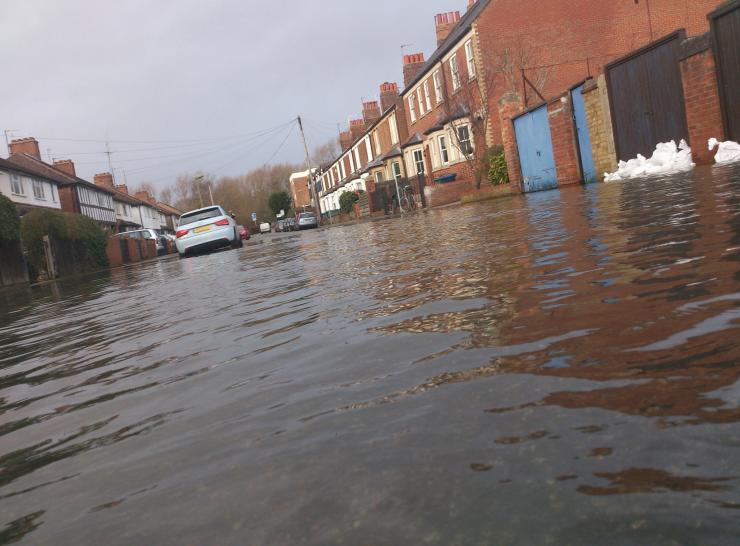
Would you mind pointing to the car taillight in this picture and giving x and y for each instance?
(181, 233)
(224, 222)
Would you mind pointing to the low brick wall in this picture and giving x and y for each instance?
(444, 194)
(701, 96)
(114, 251)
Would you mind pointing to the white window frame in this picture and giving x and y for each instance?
(426, 95)
(470, 59)
(368, 149)
(419, 160)
(393, 125)
(396, 175)
(443, 150)
(439, 95)
(455, 72)
(412, 107)
(420, 100)
(38, 190)
(460, 141)
(16, 184)
(377, 142)
(378, 177)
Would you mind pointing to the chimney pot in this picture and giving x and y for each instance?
(445, 22)
(104, 180)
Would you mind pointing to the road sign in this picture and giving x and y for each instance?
(254, 217)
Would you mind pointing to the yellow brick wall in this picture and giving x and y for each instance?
(600, 126)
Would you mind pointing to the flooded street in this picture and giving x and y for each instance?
(557, 368)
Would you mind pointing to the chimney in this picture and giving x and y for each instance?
(356, 129)
(28, 146)
(471, 3)
(142, 195)
(411, 66)
(66, 166)
(123, 188)
(388, 95)
(370, 112)
(345, 140)
(104, 180)
(445, 22)
(153, 201)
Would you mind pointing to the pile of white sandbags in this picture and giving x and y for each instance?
(727, 152)
(666, 159)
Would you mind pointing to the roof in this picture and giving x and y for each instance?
(393, 152)
(460, 30)
(39, 168)
(169, 209)
(8, 165)
(377, 162)
(414, 139)
(461, 111)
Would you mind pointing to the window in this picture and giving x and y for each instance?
(443, 150)
(397, 170)
(470, 58)
(193, 217)
(419, 161)
(101, 199)
(16, 184)
(53, 194)
(463, 137)
(412, 108)
(421, 101)
(38, 189)
(379, 177)
(455, 71)
(394, 129)
(427, 96)
(438, 87)
(377, 142)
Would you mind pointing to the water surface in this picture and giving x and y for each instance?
(558, 368)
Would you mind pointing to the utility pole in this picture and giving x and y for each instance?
(198, 179)
(310, 172)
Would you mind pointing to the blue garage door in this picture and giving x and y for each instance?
(588, 171)
(535, 150)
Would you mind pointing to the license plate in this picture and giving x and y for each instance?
(201, 229)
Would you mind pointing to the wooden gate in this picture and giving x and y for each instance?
(725, 23)
(535, 150)
(646, 97)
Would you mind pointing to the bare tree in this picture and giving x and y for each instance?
(147, 187)
(326, 152)
(515, 62)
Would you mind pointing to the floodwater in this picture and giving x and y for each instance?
(560, 368)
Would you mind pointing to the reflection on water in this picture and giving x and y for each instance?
(558, 368)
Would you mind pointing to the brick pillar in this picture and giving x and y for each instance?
(564, 141)
(701, 97)
(370, 189)
(598, 118)
(509, 106)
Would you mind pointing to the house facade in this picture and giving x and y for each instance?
(300, 190)
(27, 189)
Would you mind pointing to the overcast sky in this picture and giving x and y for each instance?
(194, 84)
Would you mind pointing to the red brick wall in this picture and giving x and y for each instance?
(67, 199)
(301, 193)
(564, 143)
(444, 194)
(113, 251)
(572, 39)
(508, 108)
(703, 114)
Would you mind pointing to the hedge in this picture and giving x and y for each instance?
(9, 221)
(79, 242)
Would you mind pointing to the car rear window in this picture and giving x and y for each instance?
(308, 215)
(192, 217)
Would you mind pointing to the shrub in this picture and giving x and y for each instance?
(9, 221)
(498, 172)
(79, 242)
(347, 201)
